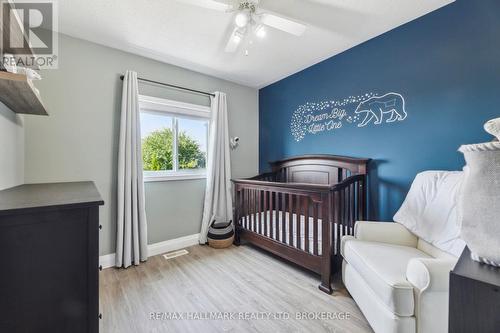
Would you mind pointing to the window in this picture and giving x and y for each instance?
(174, 139)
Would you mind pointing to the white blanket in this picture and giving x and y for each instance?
(430, 209)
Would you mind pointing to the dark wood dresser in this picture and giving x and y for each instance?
(474, 297)
(49, 258)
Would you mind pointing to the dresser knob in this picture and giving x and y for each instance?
(100, 226)
(100, 267)
(100, 315)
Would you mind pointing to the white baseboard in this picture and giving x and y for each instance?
(108, 260)
(172, 245)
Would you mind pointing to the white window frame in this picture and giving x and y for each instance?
(174, 109)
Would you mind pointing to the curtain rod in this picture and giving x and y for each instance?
(172, 86)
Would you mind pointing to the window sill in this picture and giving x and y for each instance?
(149, 179)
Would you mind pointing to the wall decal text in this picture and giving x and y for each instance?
(363, 110)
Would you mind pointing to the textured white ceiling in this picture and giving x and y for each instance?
(194, 37)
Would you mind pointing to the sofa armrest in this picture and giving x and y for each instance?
(343, 240)
(430, 274)
(384, 232)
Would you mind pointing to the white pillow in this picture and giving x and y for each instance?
(430, 209)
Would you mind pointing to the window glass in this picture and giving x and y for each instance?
(192, 143)
(157, 141)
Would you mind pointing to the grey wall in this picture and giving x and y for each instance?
(11, 148)
(78, 141)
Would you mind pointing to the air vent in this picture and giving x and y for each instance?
(175, 254)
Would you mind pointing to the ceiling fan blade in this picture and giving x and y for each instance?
(283, 24)
(233, 43)
(341, 17)
(209, 4)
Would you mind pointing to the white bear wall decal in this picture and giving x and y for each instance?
(363, 110)
(376, 107)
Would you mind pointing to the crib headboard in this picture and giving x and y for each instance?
(318, 169)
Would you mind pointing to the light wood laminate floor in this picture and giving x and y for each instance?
(241, 283)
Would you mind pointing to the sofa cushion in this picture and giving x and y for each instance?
(383, 267)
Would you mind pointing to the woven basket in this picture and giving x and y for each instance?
(221, 235)
(221, 244)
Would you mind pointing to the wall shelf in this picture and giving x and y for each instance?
(16, 91)
(19, 94)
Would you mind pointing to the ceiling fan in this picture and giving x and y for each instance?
(249, 19)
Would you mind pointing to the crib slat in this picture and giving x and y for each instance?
(353, 208)
(237, 208)
(299, 213)
(278, 222)
(305, 208)
(315, 228)
(236, 219)
(271, 217)
(343, 218)
(259, 205)
(340, 209)
(252, 209)
(249, 209)
(290, 219)
(349, 211)
(257, 211)
(246, 191)
(242, 205)
(361, 200)
(256, 204)
(356, 197)
(346, 210)
(342, 212)
(283, 214)
(265, 212)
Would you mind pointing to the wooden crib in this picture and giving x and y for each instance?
(301, 209)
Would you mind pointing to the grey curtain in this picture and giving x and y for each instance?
(218, 197)
(131, 231)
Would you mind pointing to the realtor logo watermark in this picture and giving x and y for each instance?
(29, 38)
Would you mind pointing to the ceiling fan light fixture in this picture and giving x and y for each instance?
(238, 36)
(236, 39)
(260, 31)
(241, 19)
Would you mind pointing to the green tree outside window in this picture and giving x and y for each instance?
(157, 151)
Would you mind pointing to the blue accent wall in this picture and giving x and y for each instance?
(447, 66)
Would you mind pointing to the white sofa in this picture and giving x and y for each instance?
(400, 281)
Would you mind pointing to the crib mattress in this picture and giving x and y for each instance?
(256, 223)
